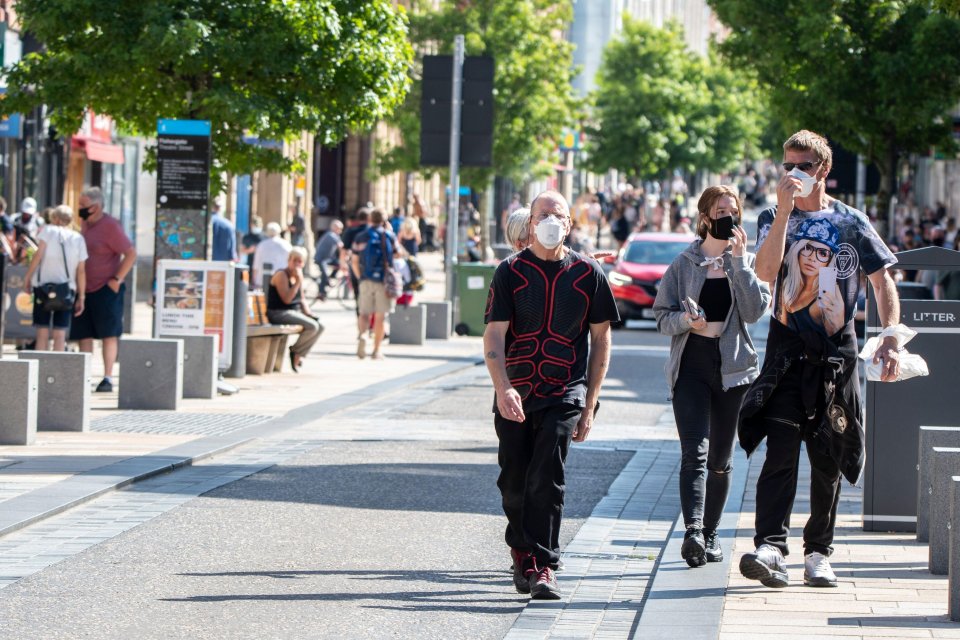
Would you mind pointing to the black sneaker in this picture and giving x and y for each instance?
(543, 584)
(520, 577)
(766, 565)
(714, 553)
(694, 549)
(105, 386)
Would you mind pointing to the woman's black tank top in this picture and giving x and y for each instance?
(715, 299)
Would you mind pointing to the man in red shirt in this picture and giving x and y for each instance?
(111, 256)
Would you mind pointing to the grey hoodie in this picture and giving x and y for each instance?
(739, 363)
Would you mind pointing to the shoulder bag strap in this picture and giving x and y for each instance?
(63, 251)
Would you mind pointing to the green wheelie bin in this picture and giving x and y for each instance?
(473, 283)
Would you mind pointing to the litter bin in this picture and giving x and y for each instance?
(473, 283)
(896, 410)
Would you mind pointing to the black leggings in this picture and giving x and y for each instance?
(706, 417)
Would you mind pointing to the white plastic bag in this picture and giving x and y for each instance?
(911, 365)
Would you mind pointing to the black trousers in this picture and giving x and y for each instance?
(532, 455)
(777, 486)
(706, 417)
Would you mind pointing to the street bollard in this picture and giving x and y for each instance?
(18, 401)
(63, 395)
(930, 437)
(151, 374)
(946, 464)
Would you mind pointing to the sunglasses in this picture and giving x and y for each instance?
(803, 166)
(823, 255)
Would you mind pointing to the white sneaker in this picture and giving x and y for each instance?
(362, 346)
(766, 564)
(817, 571)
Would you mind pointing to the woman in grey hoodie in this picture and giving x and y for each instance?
(707, 297)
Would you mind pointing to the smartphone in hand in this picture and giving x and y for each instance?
(691, 307)
(828, 280)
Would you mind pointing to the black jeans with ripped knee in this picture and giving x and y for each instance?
(706, 417)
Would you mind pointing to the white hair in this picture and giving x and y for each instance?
(518, 228)
(93, 194)
(272, 230)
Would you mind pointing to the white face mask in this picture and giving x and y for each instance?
(550, 232)
(807, 182)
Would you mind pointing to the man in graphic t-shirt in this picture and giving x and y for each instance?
(813, 248)
(547, 347)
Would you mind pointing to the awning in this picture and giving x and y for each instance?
(102, 152)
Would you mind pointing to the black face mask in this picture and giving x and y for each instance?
(84, 213)
(722, 228)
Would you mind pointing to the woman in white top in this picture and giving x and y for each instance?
(60, 257)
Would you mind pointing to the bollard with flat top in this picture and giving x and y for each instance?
(151, 374)
(199, 365)
(408, 325)
(930, 437)
(18, 401)
(439, 320)
(946, 464)
(63, 396)
(954, 566)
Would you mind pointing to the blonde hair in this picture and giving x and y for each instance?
(61, 214)
(518, 228)
(804, 140)
(298, 251)
(708, 200)
(793, 279)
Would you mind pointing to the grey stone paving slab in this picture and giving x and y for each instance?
(609, 563)
(178, 423)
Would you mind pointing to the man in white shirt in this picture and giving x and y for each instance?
(272, 251)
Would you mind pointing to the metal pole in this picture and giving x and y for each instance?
(453, 202)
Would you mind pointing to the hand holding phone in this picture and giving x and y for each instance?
(827, 281)
(692, 308)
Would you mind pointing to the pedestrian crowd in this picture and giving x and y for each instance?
(76, 278)
(547, 349)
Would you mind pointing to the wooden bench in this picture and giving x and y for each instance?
(266, 343)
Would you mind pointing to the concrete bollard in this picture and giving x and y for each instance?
(946, 464)
(151, 374)
(408, 325)
(954, 565)
(930, 437)
(439, 320)
(18, 401)
(63, 395)
(199, 365)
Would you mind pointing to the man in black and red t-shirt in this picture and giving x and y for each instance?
(547, 347)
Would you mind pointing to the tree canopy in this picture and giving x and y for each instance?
(533, 98)
(267, 69)
(878, 77)
(659, 107)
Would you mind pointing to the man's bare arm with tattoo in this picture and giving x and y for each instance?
(509, 403)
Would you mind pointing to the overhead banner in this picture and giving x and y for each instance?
(195, 298)
(183, 184)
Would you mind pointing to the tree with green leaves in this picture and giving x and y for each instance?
(877, 77)
(659, 107)
(268, 69)
(533, 99)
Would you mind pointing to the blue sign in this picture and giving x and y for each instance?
(183, 127)
(10, 126)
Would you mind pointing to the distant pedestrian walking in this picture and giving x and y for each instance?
(546, 384)
(706, 299)
(814, 248)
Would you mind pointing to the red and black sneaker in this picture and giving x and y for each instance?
(523, 565)
(543, 584)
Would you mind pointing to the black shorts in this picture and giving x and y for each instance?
(42, 317)
(102, 315)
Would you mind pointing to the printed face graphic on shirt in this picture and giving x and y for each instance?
(818, 284)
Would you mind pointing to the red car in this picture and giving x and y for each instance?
(636, 275)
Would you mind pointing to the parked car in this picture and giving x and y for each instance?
(641, 264)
